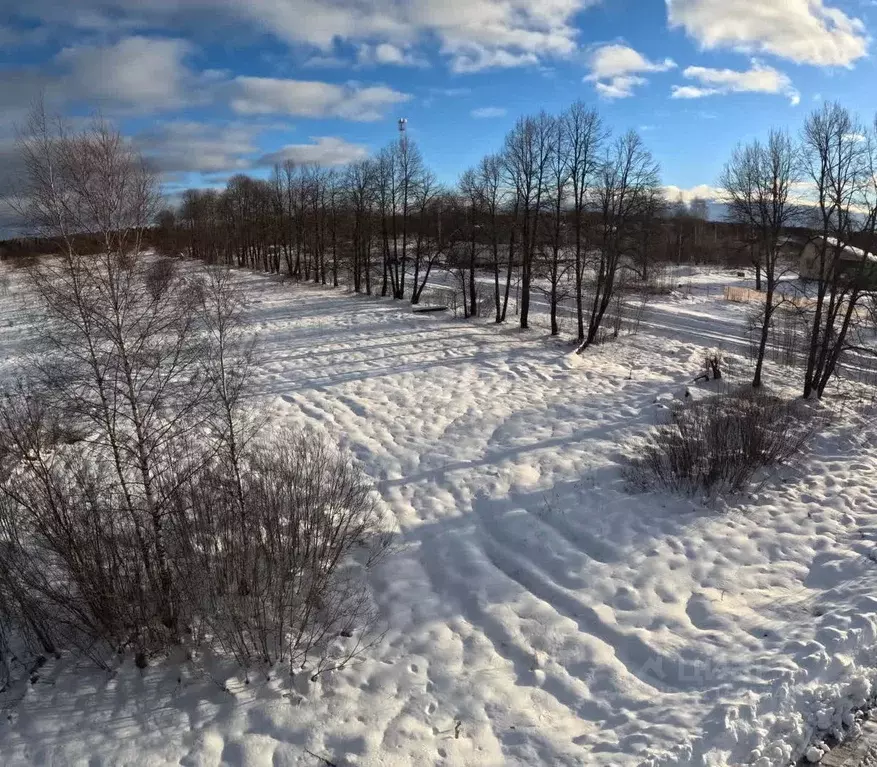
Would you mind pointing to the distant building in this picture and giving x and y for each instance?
(851, 258)
(791, 245)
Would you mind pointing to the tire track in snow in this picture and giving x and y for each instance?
(518, 565)
(579, 539)
(453, 576)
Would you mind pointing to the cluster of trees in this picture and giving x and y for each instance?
(562, 208)
(564, 212)
(824, 186)
(143, 505)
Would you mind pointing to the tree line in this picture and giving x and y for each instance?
(566, 210)
(563, 211)
(563, 208)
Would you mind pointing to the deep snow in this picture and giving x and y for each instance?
(536, 611)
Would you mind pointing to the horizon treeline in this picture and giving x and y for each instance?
(562, 202)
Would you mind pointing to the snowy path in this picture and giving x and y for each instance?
(557, 618)
(694, 322)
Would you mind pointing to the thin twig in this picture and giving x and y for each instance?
(323, 759)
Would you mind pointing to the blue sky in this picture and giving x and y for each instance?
(211, 87)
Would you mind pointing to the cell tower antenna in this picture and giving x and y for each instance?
(403, 136)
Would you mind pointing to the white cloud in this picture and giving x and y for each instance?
(311, 98)
(142, 73)
(149, 75)
(388, 54)
(617, 70)
(195, 147)
(472, 34)
(701, 191)
(135, 74)
(616, 60)
(487, 112)
(805, 31)
(323, 150)
(181, 146)
(188, 146)
(713, 82)
(620, 87)
(474, 58)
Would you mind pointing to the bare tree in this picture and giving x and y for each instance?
(427, 240)
(203, 232)
(117, 354)
(360, 180)
(387, 181)
(838, 158)
(89, 183)
(699, 209)
(552, 256)
(758, 182)
(585, 137)
(527, 152)
(493, 197)
(316, 182)
(629, 179)
(646, 252)
(473, 197)
(410, 172)
(333, 197)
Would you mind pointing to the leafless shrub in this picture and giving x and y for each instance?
(158, 276)
(713, 362)
(130, 526)
(75, 567)
(485, 302)
(278, 558)
(787, 335)
(788, 343)
(659, 281)
(455, 300)
(628, 308)
(719, 445)
(137, 501)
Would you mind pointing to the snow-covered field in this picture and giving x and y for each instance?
(536, 612)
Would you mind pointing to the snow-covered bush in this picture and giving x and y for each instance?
(719, 444)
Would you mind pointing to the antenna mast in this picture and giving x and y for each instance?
(403, 126)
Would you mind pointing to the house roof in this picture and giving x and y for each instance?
(849, 250)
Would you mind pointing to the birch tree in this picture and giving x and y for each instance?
(838, 160)
(585, 138)
(758, 182)
(628, 180)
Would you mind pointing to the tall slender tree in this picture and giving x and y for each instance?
(758, 183)
(838, 160)
(527, 153)
(629, 178)
(585, 138)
